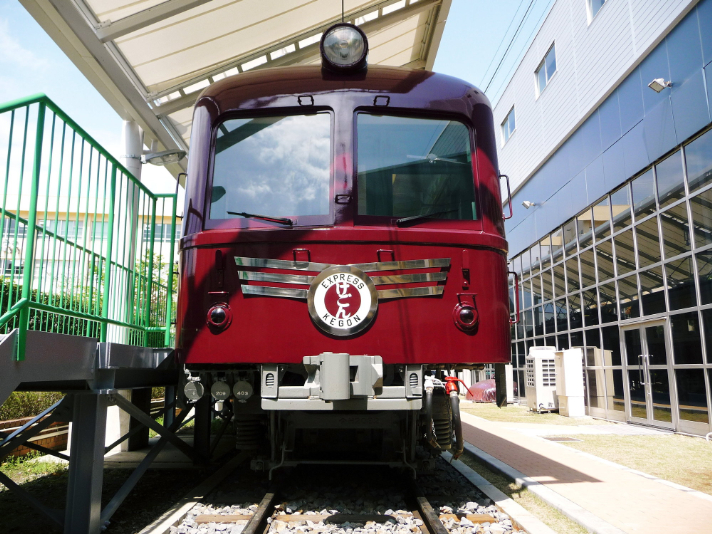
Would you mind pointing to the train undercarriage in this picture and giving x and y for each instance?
(334, 408)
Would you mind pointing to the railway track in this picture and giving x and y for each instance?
(346, 500)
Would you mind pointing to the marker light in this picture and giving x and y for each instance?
(344, 47)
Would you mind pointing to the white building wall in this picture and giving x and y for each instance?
(591, 59)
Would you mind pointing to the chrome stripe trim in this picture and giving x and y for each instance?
(280, 264)
(407, 264)
(284, 292)
(410, 292)
(410, 278)
(275, 277)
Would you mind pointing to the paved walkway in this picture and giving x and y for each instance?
(625, 500)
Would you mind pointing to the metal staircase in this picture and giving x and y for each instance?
(86, 296)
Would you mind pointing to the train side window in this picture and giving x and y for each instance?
(272, 166)
(412, 167)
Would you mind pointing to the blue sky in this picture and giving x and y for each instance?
(30, 63)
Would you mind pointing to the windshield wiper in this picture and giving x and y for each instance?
(280, 220)
(415, 218)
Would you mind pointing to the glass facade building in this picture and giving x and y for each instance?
(617, 258)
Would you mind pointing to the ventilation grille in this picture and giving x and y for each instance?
(269, 380)
(530, 372)
(413, 380)
(548, 373)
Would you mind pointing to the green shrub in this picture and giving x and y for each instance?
(27, 404)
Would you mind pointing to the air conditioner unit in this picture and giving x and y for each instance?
(541, 379)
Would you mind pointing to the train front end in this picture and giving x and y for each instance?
(343, 253)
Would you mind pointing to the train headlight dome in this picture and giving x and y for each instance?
(344, 47)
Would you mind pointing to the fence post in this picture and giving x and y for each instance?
(149, 282)
(109, 251)
(28, 268)
(169, 288)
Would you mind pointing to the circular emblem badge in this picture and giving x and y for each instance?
(342, 300)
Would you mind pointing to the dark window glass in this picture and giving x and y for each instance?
(557, 244)
(655, 337)
(536, 289)
(572, 274)
(549, 318)
(620, 206)
(562, 342)
(615, 399)
(409, 167)
(611, 345)
(551, 341)
(522, 385)
(521, 354)
(609, 310)
(671, 180)
(660, 390)
(625, 252)
(594, 356)
(707, 325)
(538, 321)
(602, 219)
(528, 323)
(628, 297)
(576, 339)
(686, 339)
(681, 283)
(545, 247)
(644, 195)
(633, 347)
(701, 206)
(596, 391)
(653, 291)
(648, 242)
(588, 268)
(561, 315)
(698, 156)
(704, 270)
(559, 280)
(691, 395)
(274, 166)
(584, 222)
(604, 260)
(676, 231)
(590, 306)
(575, 310)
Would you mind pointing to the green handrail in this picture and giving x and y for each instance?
(87, 257)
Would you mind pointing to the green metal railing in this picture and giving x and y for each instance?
(87, 249)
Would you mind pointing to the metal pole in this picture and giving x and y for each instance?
(86, 465)
(169, 283)
(31, 226)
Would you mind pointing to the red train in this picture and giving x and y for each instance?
(343, 249)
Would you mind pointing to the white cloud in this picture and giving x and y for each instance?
(12, 52)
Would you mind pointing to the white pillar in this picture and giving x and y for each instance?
(132, 148)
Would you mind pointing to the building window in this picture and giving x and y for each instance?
(594, 6)
(546, 69)
(508, 126)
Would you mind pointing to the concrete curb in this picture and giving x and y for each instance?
(178, 511)
(570, 509)
(515, 511)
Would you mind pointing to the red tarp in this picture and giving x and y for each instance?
(484, 391)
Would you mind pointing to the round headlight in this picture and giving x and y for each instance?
(344, 47)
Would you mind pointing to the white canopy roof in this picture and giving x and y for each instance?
(151, 58)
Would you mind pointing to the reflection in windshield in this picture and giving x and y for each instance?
(274, 166)
(413, 167)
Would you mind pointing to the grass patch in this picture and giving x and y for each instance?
(526, 499)
(23, 469)
(681, 459)
(514, 413)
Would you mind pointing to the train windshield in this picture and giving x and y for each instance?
(414, 168)
(272, 167)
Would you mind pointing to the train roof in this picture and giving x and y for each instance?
(282, 87)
